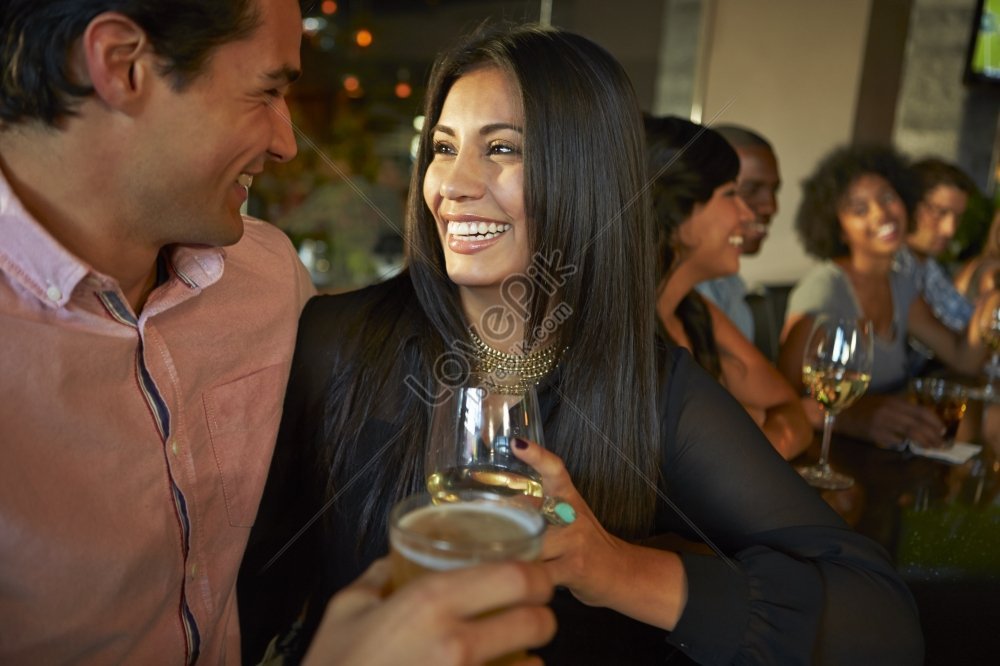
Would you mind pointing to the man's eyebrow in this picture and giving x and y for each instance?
(284, 74)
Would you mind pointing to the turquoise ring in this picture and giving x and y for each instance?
(558, 512)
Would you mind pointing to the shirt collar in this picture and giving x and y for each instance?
(903, 259)
(46, 269)
(197, 266)
(32, 257)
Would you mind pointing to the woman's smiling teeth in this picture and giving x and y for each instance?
(736, 241)
(885, 230)
(477, 230)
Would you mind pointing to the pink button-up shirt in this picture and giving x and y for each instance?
(134, 448)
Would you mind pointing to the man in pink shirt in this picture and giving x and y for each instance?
(146, 330)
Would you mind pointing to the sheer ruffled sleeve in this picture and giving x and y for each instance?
(797, 585)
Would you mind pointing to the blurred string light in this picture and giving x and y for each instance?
(313, 25)
(352, 85)
(403, 88)
(324, 33)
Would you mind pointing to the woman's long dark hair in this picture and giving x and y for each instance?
(687, 162)
(590, 229)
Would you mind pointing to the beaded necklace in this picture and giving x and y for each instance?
(522, 371)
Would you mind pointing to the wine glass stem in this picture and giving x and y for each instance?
(824, 450)
(994, 363)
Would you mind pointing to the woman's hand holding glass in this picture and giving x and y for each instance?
(586, 559)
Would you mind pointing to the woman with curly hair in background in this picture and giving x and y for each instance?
(854, 216)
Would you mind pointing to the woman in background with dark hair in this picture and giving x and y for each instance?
(701, 219)
(513, 182)
(854, 215)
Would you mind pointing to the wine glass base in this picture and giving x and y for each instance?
(824, 477)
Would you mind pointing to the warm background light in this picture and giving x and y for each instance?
(329, 7)
(403, 90)
(363, 37)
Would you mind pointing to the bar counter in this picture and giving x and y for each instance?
(941, 525)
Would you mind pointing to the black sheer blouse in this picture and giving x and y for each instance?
(794, 583)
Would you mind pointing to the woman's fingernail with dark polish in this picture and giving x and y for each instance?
(520, 444)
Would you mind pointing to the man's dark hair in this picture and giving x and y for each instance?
(36, 37)
(932, 172)
(739, 136)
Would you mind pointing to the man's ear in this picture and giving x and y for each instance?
(115, 58)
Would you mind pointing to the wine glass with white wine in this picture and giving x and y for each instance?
(472, 431)
(836, 370)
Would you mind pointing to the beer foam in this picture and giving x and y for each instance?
(443, 537)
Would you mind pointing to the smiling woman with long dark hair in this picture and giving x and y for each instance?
(701, 222)
(530, 174)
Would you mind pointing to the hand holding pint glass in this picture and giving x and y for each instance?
(466, 616)
(469, 529)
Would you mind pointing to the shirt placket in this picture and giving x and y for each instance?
(160, 413)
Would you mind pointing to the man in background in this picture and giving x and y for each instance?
(943, 195)
(943, 198)
(143, 364)
(757, 184)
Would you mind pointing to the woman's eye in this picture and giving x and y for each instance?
(443, 148)
(503, 148)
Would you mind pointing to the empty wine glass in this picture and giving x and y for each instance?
(836, 370)
(472, 431)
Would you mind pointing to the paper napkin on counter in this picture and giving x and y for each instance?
(956, 455)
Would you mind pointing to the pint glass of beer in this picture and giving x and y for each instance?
(478, 527)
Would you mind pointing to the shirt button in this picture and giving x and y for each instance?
(53, 293)
(174, 447)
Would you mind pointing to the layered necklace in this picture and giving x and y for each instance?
(511, 372)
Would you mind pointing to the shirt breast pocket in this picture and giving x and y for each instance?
(243, 417)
